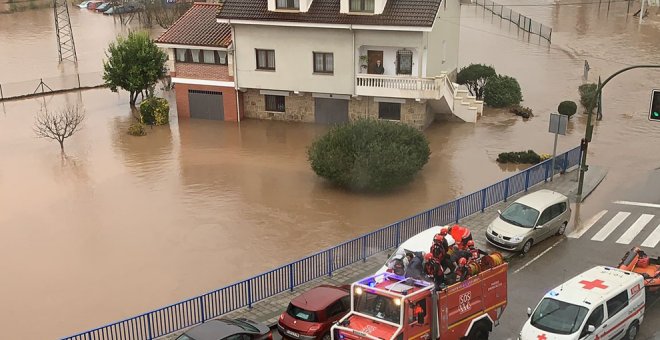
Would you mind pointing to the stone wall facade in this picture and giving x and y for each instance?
(413, 113)
(298, 108)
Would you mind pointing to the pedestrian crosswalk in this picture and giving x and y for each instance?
(622, 227)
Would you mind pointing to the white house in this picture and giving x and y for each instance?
(329, 61)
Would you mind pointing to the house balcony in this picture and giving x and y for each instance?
(375, 85)
(438, 89)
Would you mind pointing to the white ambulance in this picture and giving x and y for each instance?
(601, 303)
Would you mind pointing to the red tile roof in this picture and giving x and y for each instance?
(420, 13)
(198, 27)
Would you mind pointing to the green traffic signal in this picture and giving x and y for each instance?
(654, 112)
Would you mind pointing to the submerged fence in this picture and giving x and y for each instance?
(523, 22)
(187, 313)
(37, 87)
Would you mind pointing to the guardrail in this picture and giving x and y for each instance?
(190, 312)
(523, 22)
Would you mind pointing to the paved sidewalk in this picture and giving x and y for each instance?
(268, 310)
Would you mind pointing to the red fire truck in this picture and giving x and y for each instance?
(386, 306)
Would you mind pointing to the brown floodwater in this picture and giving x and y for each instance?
(122, 224)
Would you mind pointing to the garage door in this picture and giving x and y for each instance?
(330, 111)
(206, 105)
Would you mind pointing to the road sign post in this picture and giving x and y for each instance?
(558, 124)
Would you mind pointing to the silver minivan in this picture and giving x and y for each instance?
(530, 220)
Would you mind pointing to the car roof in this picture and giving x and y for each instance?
(319, 298)
(216, 329)
(594, 286)
(541, 199)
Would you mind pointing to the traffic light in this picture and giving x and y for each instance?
(654, 115)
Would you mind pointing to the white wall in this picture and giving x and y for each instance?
(293, 58)
(446, 28)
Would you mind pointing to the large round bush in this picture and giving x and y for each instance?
(502, 91)
(155, 111)
(369, 155)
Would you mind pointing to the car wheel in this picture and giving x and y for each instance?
(562, 229)
(527, 246)
(326, 336)
(631, 334)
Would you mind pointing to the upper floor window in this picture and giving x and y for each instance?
(361, 6)
(265, 59)
(323, 62)
(404, 62)
(287, 4)
(188, 55)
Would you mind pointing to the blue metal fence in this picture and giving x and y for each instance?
(242, 294)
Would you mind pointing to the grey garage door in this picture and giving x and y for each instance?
(330, 111)
(206, 105)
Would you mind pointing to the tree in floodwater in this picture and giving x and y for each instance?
(134, 64)
(59, 125)
(475, 77)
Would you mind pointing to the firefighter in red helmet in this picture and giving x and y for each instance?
(474, 251)
(434, 270)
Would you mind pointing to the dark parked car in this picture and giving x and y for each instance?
(312, 314)
(226, 329)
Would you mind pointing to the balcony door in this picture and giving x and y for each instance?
(374, 57)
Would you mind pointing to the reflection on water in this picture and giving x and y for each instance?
(126, 224)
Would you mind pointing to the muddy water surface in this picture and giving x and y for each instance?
(122, 225)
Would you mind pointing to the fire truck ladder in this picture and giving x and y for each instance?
(65, 44)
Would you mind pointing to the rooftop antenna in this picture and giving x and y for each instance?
(563, 278)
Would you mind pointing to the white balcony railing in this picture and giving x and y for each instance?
(399, 86)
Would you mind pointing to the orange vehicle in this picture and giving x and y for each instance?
(388, 306)
(637, 261)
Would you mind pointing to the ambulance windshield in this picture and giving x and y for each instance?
(558, 317)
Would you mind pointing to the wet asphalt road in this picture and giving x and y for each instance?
(560, 258)
(557, 259)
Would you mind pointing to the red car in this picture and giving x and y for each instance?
(311, 315)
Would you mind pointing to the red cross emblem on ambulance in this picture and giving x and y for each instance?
(589, 285)
(542, 337)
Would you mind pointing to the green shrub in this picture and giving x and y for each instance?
(520, 157)
(502, 91)
(155, 111)
(475, 77)
(522, 111)
(567, 108)
(369, 155)
(137, 129)
(588, 97)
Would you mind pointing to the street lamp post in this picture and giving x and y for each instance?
(589, 129)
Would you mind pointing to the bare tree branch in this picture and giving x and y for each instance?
(59, 125)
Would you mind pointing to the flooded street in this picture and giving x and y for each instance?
(122, 225)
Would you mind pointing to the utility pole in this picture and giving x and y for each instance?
(66, 47)
(589, 129)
